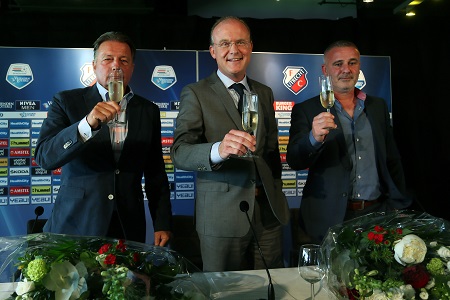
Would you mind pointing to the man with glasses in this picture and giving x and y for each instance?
(209, 139)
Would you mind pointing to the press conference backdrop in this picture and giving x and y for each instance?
(33, 75)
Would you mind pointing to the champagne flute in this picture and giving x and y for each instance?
(250, 116)
(326, 92)
(311, 265)
(115, 89)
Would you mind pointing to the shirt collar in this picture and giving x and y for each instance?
(360, 97)
(228, 82)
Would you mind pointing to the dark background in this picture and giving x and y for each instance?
(418, 48)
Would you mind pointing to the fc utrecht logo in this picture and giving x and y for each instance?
(164, 77)
(295, 79)
(87, 77)
(19, 75)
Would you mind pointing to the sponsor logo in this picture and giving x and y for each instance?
(167, 132)
(41, 180)
(284, 122)
(282, 148)
(168, 114)
(39, 171)
(171, 177)
(6, 106)
(3, 201)
(19, 142)
(184, 186)
(166, 141)
(283, 105)
(282, 131)
(44, 189)
(46, 105)
(87, 77)
(295, 79)
(19, 190)
(19, 124)
(3, 143)
(3, 162)
(300, 192)
(283, 114)
(302, 173)
(34, 163)
(169, 168)
(174, 105)
(289, 184)
(164, 77)
(3, 181)
(288, 175)
(36, 123)
(184, 195)
(56, 171)
(4, 191)
(21, 181)
(3, 152)
(285, 166)
(283, 157)
(56, 180)
(4, 133)
(167, 159)
(19, 200)
(166, 150)
(290, 192)
(162, 105)
(184, 177)
(4, 123)
(19, 133)
(167, 123)
(55, 189)
(19, 162)
(172, 195)
(283, 140)
(361, 80)
(28, 105)
(24, 171)
(4, 172)
(19, 75)
(41, 199)
(301, 183)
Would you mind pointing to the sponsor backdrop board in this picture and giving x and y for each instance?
(31, 76)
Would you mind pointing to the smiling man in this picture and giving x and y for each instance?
(209, 139)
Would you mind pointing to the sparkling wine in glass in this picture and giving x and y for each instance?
(250, 116)
(326, 92)
(115, 88)
(311, 265)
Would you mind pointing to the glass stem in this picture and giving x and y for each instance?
(312, 291)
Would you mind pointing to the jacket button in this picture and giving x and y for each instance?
(117, 172)
(110, 196)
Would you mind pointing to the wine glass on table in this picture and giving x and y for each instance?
(250, 116)
(115, 89)
(311, 265)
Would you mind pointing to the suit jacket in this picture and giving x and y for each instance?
(326, 191)
(207, 113)
(93, 184)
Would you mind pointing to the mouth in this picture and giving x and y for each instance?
(234, 59)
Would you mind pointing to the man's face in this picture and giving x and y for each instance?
(232, 61)
(113, 54)
(343, 64)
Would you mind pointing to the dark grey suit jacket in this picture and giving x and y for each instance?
(326, 191)
(207, 113)
(92, 183)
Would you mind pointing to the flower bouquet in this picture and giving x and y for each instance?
(63, 267)
(398, 255)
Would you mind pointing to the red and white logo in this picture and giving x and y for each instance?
(295, 79)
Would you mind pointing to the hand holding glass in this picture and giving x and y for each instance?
(115, 87)
(311, 265)
(250, 116)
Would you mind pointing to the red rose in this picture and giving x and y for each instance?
(121, 246)
(104, 248)
(110, 259)
(135, 257)
(416, 275)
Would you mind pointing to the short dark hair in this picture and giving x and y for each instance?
(340, 43)
(114, 36)
(211, 41)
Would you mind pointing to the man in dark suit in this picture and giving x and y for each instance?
(209, 139)
(354, 165)
(103, 163)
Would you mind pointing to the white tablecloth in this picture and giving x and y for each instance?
(247, 285)
(253, 284)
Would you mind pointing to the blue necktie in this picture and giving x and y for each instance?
(239, 88)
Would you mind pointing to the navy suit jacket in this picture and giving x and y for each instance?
(326, 191)
(93, 184)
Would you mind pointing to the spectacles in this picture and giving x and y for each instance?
(228, 44)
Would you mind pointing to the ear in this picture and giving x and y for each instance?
(212, 52)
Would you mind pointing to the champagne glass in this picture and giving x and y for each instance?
(250, 116)
(115, 89)
(326, 92)
(311, 265)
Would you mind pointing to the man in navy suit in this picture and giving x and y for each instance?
(103, 163)
(354, 165)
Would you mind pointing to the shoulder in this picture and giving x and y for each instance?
(76, 92)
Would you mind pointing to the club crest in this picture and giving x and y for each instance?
(295, 79)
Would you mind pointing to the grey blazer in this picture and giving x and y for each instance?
(207, 112)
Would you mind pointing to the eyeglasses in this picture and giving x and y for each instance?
(228, 44)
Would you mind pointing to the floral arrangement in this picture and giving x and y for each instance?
(398, 255)
(63, 267)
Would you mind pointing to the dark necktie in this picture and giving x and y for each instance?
(239, 88)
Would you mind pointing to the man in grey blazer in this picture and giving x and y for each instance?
(354, 167)
(103, 163)
(209, 139)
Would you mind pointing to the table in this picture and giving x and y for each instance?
(253, 285)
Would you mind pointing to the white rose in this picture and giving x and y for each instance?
(24, 287)
(444, 252)
(411, 249)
